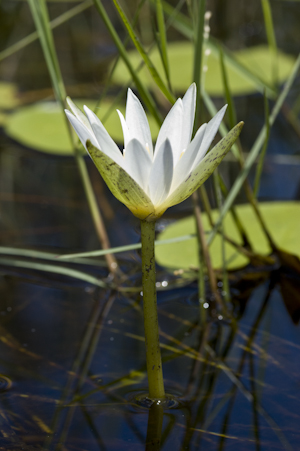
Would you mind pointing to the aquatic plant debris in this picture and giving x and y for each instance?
(149, 180)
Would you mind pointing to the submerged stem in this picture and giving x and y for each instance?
(153, 357)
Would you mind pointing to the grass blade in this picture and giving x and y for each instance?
(123, 53)
(197, 70)
(254, 151)
(41, 19)
(162, 41)
(264, 150)
(47, 46)
(74, 273)
(155, 75)
(266, 7)
(184, 25)
(231, 109)
(218, 196)
(222, 129)
(60, 20)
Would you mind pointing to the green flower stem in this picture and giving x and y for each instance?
(153, 357)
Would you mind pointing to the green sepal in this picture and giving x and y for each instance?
(121, 184)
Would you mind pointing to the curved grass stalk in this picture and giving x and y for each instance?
(41, 19)
(184, 25)
(229, 100)
(235, 150)
(203, 248)
(60, 20)
(254, 152)
(31, 253)
(218, 195)
(74, 273)
(263, 151)
(223, 129)
(270, 32)
(199, 40)
(123, 53)
(247, 187)
(109, 81)
(129, 247)
(76, 258)
(162, 39)
(201, 276)
(82, 257)
(155, 75)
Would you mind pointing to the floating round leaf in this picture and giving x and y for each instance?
(257, 63)
(282, 219)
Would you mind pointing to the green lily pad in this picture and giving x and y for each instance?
(257, 60)
(43, 126)
(282, 220)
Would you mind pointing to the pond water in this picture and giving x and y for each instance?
(72, 355)
(72, 364)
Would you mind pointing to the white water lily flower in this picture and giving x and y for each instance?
(147, 180)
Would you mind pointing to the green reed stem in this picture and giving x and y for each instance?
(204, 248)
(218, 195)
(153, 71)
(162, 41)
(270, 32)
(145, 95)
(262, 155)
(201, 262)
(60, 20)
(184, 25)
(197, 69)
(41, 19)
(153, 357)
(254, 152)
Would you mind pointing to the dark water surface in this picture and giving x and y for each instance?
(72, 355)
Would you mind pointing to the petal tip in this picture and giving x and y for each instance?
(86, 109)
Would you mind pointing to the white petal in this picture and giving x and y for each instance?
(202, 171)
(138, 163)
(137, 121)
(126, 133)
(106, 143)
(83, 132)
(186, 162)
(171, 129)
(78, 113)
(189, 105)
(161, 174)
(210, 132)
